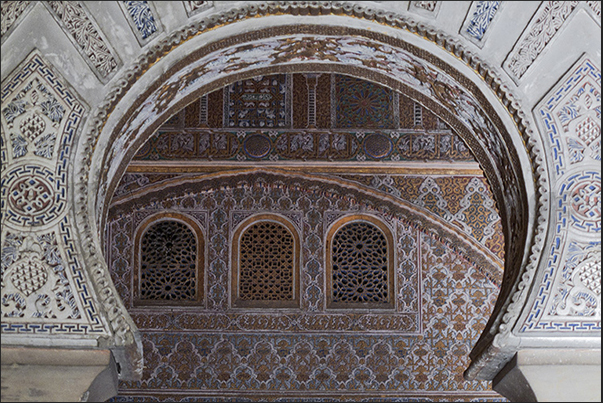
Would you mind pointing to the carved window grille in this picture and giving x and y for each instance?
(266, 256)
(170, 255)
(360, 265)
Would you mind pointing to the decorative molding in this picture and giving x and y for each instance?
(303, 144)
(87, 37)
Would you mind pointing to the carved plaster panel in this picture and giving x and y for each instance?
(570, 294)
(142, 18)
(478, 20)
(12, 13)
(86, 36)
(544, 26)
(195, 7)
(40, 118)
(425, 8)
(45, 290)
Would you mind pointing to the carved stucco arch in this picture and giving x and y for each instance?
(429, 67)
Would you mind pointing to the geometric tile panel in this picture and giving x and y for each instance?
(31, 196)
(260, 102)
(466, 202)
(359, 103)
(223, 210)
(581, 196)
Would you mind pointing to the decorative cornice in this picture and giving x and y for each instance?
(521, 280)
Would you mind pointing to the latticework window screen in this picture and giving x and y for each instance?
(266, 263)
(168, 263)
(360, 267)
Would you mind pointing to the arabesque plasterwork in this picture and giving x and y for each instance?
(573, 290)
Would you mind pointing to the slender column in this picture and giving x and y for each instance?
(311, 81)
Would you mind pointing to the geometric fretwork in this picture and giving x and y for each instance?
(266, 263)
(265, 256)
(360, 264)
(168, 263)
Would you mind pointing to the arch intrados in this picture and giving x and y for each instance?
(517, 211)
(357, 72)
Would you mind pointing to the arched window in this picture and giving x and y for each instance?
(169, 261)
(360, 262)
(265, 263)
